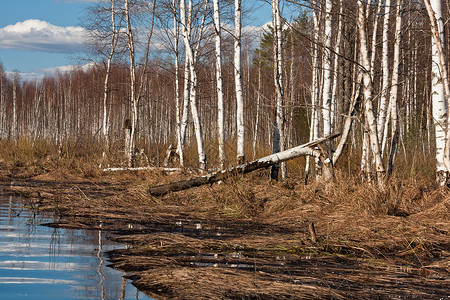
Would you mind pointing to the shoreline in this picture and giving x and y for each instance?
(249, 238)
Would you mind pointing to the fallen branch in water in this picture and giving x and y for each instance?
(267, 161)
(142, 169)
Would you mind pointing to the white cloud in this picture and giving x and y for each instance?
(37, 35)
(30, 76)
(39, 74)
(68, 68)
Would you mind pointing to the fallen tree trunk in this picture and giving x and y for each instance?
(163, 169)
(267, 161)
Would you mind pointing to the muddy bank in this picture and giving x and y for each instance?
(250, 239)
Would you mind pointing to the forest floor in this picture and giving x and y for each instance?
(249, 238)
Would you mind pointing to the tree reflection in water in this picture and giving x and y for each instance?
(38, 262)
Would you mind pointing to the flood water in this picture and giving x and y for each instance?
(39, 262)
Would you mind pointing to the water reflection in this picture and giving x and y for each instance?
(37, 262)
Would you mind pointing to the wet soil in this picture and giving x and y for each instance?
(249, 238)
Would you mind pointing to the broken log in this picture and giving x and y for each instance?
(163, 169)
(267, 161)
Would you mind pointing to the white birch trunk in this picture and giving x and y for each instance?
(365, 158)
(314, 126)
(14, 120)
(265, 162)
(113, 44)
(279, 137)
(258, 108)
(185, 116)
(219, 85)
(394, 88)
(133, 100)
(356, 95)
(439, 88)
(368, 91)
(334, 95)
(373, 51)
(327, 80)
(180, 141)
(382, 111)
(238, 83)
(193, 90)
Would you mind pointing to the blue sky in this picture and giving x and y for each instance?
(36, 36)
(33, 51)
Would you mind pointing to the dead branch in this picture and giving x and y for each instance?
(267, 161)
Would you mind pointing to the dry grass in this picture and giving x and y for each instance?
(371, 242)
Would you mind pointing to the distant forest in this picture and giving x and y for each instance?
(188, 75)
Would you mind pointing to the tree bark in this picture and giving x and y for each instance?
(193, 86)
(327, 76)
(113, 44)
(240, 127)
(133, 100)
(383, 107)
(219, 85)
(368, 92)
(280, 123)
(265, 162)
(394, 89)
(440, 90)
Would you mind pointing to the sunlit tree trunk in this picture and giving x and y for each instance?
(373, 52)
(314, 126)
(185, 116)
(240, 127)
(327, 80)
(180, 142)
(258, 107)
(16, 79)
(382, 111)
(193, 82)
(279, 135)
(113, 44)
(439, 89)
(334, 95)
(368, 92)
(133, 100)
(219, 85)
(394, 88)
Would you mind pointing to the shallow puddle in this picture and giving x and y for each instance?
(39, 262)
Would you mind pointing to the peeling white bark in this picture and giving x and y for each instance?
(279, 136)
(382, 111)
(133, 100)
(327, 80)
(193, 85)
(438, 87)
(240, 127)
(368, 91)
(394, 88)
(219, 85)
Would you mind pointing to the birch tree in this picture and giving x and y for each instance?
(394, 88)
(190, 60)
(314, 90)
(382, 110)
(440, 90)
(113, 44)
(327, 76)
(279, 136)
(334, 95)
(219, 84)
(177, 82)
(370, 120)
(133, 101)
(240, 127)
